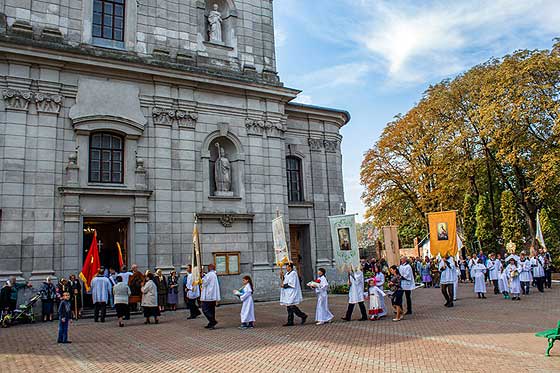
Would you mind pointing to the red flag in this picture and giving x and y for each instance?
(91, 264)
(121, 262)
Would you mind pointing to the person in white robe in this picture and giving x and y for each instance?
(210, 296)
(537, 265)
(407, 283)
(290, 295)
(379, 282)
(445, 267)
(503, 284)
(455, 274)
(472, 262)
(525, 275)
(321, 286)
(376, 298)
(494, 271)
(513, 271)
(248, 308)
(479, 270)
(355, 294)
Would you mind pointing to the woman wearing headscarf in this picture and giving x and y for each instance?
(150, 298)
(173, 290)
(161, 283)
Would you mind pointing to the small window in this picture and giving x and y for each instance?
(106, 158)
(227, 263)
(294, 177)
(108, 19)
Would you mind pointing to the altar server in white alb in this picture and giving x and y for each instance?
(537, 264)
(513, 271)
(290, 295)
(479, 279)
(525, 275)
(355, 295)
(503, 284)
(210, 295)
(407, 282)
(446, 280)
(494, 270)
(379, 281)
(248, 308)
(321, 286)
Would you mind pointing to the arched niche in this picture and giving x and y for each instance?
(235, 156)
(228, 13)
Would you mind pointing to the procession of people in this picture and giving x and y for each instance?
(512, 277)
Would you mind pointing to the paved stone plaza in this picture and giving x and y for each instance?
(477, 335)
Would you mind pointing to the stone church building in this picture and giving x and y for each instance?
(130, 118)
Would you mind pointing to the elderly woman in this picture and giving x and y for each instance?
(161, 284)
(121, 292)
(173, 290)
(48, 295)
(149, 298)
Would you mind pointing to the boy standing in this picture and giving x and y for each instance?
(64, 316)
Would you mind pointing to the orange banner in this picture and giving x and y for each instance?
(443, 233)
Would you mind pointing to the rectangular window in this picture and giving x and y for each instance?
(227, 263)
(105, 158)
(293, 174)
(108, 19)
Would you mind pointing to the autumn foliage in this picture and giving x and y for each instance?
(487, 137)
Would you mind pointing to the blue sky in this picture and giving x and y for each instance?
(375, 58)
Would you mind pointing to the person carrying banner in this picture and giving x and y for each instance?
(524, 273)
(210, 296)
(537, 264)
(447, 280)
(355, 295)
(192, 292)
(290, 295)
(407, 282)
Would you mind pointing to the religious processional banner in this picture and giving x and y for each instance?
(345, 242)
(196, 262)
(281, 254)
(443, 233)
(392, 246)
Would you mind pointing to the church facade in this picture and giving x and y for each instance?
(134, 119)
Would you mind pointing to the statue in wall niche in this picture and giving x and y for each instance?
(215, 25)
(222, 173)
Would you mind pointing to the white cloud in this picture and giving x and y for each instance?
(336, 76)
(304, 99)
(280, 36)
(420, 40)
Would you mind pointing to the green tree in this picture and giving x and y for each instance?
(469, 219)
(551, 235)
(512, 224)
(484, 231)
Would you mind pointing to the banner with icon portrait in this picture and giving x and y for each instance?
(443, 233)
(345, 242)
(281, 254)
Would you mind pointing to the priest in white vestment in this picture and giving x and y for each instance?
(210, 296)
(290, 295)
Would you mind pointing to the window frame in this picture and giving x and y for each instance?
(228, 254)
(101, 149)
(102, 40)
(289, 179)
